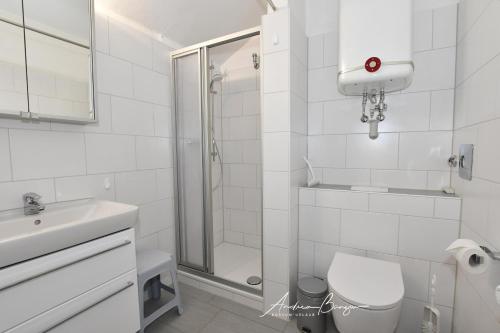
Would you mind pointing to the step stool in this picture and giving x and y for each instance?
(150, 264)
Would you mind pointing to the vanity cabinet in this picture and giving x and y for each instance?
(90, 287)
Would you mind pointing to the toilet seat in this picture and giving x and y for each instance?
(362, 281)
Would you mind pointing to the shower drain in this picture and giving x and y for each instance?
(254, 280)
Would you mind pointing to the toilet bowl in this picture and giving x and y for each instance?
(366, 293)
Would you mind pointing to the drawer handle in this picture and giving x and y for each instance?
(112, 293)
(23, 276)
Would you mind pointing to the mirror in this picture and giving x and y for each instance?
(68, 19)
(11, 11)
(58, 77)
(13, 89)
(55, 54)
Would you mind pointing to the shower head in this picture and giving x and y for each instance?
(217, 77)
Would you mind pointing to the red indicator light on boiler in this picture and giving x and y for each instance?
(373, 64)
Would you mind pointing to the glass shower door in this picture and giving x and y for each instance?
(189, 155)
(219, 236)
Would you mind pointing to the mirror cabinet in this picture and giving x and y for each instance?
(47, 60)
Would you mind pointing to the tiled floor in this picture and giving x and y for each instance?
(207, 313)
(237, 263)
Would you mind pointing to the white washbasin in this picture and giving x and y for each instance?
(60, 226)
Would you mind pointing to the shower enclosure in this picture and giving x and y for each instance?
(218, 159)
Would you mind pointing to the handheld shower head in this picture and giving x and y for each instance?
(217, 77)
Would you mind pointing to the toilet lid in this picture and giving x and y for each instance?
(365, 281)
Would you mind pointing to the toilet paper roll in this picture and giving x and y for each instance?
(466, 253)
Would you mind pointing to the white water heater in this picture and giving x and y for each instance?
(375, 52)
(375, 46)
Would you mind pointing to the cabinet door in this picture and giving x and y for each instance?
(69, 20)
(117, 314)
(11, 11)
(110, 308)
(59, 77)
(13, 89)
(59, 59)
(54, 279)
(47, 60)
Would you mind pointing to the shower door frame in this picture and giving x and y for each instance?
(178, 227)
(207, 271)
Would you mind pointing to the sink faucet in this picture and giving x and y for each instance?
(32, 203)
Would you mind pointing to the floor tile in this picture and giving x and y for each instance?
(227, 322)
(291, 327)
(207, 313)
(248, 313)
(189, 292)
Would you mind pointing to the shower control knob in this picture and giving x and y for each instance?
(364, 118)
(381, 117)
(373, 64)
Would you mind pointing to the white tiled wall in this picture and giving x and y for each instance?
(237, 123)
(276, 183)
(284, 119)
(130, 146)
(477, 113)
(415, 139)
(413, 230)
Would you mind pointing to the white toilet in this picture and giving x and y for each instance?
(360, 281)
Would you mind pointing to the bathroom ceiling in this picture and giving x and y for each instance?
(190, 21)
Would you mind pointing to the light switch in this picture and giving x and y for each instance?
(497, 294)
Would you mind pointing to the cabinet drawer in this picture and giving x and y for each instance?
(110, 308)
(38, 285)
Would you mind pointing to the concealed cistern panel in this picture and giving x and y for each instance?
(375, 45)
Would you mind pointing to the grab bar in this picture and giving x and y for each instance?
(21, 276)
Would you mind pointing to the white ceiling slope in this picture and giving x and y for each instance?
(190, 21)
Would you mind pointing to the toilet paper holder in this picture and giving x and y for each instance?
(491, 254)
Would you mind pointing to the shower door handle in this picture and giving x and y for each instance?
(214, 151)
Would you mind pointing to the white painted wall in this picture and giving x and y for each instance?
(477, 114)
(130, 145)
(191, 21)
(415, 140)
